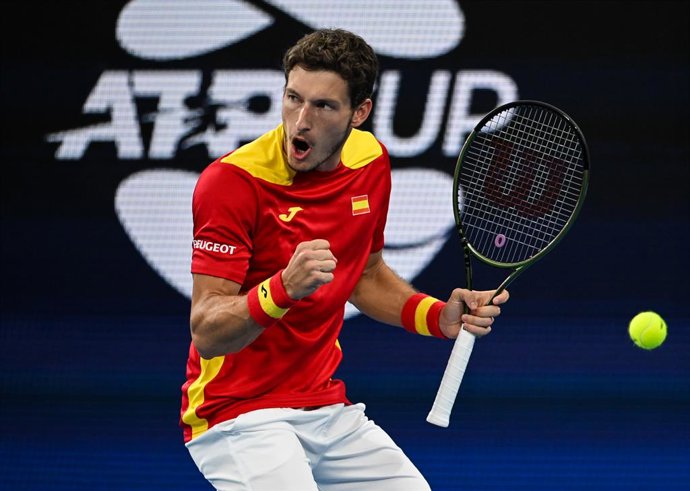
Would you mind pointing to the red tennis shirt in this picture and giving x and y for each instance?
(250, 212)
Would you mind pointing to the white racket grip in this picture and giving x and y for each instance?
(452, 378)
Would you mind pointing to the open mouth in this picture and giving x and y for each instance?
(300, 148)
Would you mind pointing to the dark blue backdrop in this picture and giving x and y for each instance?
(94, 342)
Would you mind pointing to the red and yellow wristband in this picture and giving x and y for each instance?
(421, 314)
(268, 301)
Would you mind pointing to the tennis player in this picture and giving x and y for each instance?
(287, 229)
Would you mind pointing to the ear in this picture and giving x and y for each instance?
(361, 113)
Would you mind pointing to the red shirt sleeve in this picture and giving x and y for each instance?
(224, 207)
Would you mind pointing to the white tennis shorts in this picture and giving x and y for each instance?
(333, 448)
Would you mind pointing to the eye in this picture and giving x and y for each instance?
(291, 97)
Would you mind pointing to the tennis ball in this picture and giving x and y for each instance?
(647, 330)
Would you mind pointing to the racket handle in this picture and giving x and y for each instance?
(452, 378)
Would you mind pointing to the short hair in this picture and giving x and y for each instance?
(339, 51)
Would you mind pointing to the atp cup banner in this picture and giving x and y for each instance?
(205, 76)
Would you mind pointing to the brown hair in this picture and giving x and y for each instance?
(338, 51)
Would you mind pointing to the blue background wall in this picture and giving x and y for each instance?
(93, 341)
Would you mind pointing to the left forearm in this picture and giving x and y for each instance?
(381, 293)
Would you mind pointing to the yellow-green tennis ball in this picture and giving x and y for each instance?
(647, 330)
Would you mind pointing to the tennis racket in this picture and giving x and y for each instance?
(519, 184)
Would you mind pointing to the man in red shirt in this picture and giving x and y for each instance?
(287, 229)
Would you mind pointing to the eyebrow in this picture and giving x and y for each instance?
(321, 100)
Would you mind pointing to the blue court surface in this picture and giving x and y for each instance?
(536, 411)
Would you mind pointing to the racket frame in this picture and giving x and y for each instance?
(464, 344)
(520, 266)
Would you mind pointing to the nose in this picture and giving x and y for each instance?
(303, 118)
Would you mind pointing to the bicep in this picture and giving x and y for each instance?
(375, 272)
(374, 262)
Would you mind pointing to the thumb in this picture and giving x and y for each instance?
(467, 297)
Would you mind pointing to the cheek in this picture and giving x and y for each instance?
(288, 110)
(338, 128)
(285, 114)
(335, 134)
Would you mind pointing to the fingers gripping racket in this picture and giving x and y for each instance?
(519, 184)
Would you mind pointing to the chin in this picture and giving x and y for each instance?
(302, 166)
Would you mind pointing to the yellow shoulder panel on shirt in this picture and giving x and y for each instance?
(264, 158)
(360, 149)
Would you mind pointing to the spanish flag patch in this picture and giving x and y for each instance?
(360, 204)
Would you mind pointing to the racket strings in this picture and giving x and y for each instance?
(521, 180)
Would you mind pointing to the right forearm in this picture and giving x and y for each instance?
(221, 325)
(222, 321)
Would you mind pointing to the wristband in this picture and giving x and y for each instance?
(268, 301)
(421, 314)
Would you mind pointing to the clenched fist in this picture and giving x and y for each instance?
(310, 267)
